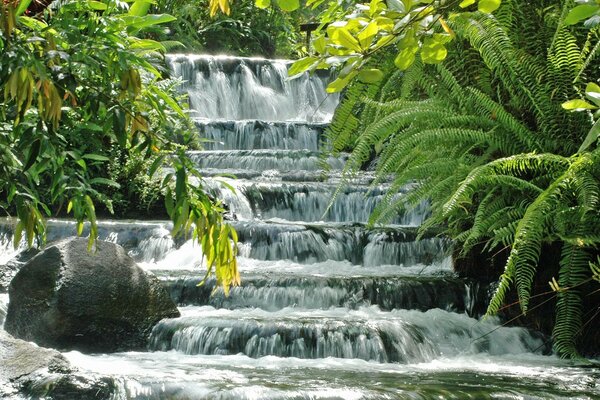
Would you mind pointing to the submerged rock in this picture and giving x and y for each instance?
(33, 372)
(99, 301)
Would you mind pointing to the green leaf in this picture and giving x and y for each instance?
(370, 75)
(340, 83)
(170, 101)
(302, 65)
(97, 5)
(433, 52)
(148, 44)
(365, 37)
(23, 5)
(466, 3)
(155, 164)
(581, 12)
(319, 44)
(488, 6)
(591, 137)
(343, 37)
(95, 157)
(262, 3)
(18, 234)
(169, 204)
(179, 183)
(289, 5)
(139, 8)
(34, 152)
(404, 60)
(147, 20)
(104, 181)
(32, 23)
(578, 105)
(592, 92)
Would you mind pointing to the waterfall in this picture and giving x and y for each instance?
(329, 306)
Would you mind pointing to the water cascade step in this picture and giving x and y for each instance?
(329, 307)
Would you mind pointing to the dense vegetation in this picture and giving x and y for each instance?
(81, 90)
(487, 133)
(246, 31)
(492, 114)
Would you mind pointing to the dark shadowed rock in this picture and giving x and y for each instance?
(32, 372)
(69, 298)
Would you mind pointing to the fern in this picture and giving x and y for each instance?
(483, 139)
(574, 269)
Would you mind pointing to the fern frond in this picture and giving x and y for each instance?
(574, 269)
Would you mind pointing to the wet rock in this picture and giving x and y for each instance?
(72, 299)
(10, 269)
(32, 372)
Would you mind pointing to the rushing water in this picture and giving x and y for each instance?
(328, 309)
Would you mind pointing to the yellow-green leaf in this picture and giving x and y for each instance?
(433, 52)
(578, 105)
(365, 37)
(466, 3)
(488, 6)
(340, 83)
(262, 3)
(343, 37)
(301, 65)
(289, 5)
(319, 44)
(97, 5)
(370, 75)
(404, 59)
(140, 8)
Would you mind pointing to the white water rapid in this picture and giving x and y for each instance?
(328, 309)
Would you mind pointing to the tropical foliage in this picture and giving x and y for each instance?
(79, 84)
(486, 135)
(245, 30)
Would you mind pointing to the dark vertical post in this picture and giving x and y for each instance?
(308, 28)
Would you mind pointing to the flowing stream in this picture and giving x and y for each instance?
(327, 308)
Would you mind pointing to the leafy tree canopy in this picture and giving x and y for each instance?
(78, 81)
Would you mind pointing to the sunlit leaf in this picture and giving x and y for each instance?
(262, 3)
(370, 75)
(581, 12)
(302, 65)
(433, 52)
(488, 6)
(289, 5)
(577, 105)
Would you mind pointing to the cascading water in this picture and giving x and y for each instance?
(328, 309)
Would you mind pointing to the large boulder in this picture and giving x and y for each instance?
(10, 269)
(28, 371)
(71, 299)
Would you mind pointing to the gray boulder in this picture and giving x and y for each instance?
(32, 372)
(72, 299)
(10, 269)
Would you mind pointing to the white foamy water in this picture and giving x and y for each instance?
(328, 308)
